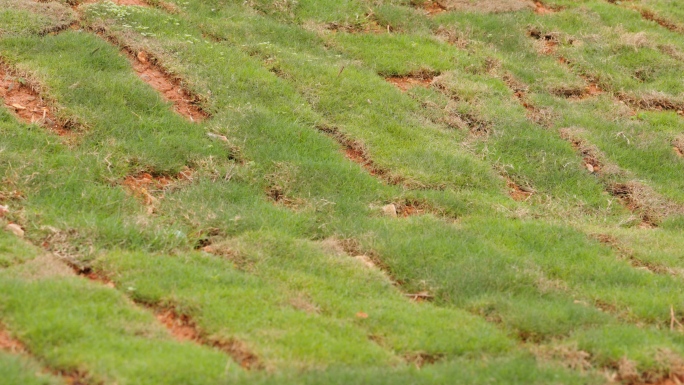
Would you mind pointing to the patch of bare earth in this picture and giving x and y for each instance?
(542, 9)
(184, 329)
(168, 86)
(654, 101)
(13, 346)
(357, 153)
(23, 99)
(626, 254)
(149, 186)
(407, 82)
(488, 6)
(539, 116)
(431, 7)
(517, 192)
(9, 344)
(652, 16)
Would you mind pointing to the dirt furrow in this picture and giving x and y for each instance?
(14, 346)
(357, 153)
(23, 99)
(170, 87)
(182, 327)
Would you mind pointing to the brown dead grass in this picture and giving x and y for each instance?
(642, 200)
(24, 100)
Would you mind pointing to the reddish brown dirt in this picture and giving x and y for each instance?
(649, 15)
(516, 192)
(170, 88)
(139, 3)
(240, 353)
(433, 8)
(541, 9)
(181, 326)
(9, 344)
(625, 192)
(678, 152)
(26, 103)
(96, 277)
(356, 152)
(405, 83)
(144, 185)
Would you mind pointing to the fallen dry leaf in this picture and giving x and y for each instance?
(3, 210)
(361, 315)
(390, 210)
(18, 106)
(590, 168)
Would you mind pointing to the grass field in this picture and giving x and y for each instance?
(341, 192)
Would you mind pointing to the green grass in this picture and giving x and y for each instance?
(260, 247)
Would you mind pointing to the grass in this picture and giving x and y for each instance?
(263, 226)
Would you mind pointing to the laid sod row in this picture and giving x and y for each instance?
(293, 301)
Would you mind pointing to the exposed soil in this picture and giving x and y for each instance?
(405, 83)
(591, 156)
(538, 116)
(184, 102)
(421, 359)
(653, 102)
(147, 186)
(672, 26)
(9, 344)
(541, 9)
(278, 196)
(95, 277)
(239, 351)
(357, 153)
(433, 7)
(27, 104)
(628, 194)
(517, 192)
(181, 326)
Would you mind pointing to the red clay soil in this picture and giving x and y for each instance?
(184, 103)
(678, 152)
(27, 104)
(516, 192)
(240, 353)
(181, 326)
(405, 83)
(9, 344)
(144, 184)
(433, 8)
(541, 9)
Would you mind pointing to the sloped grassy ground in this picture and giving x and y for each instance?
(515, 214)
